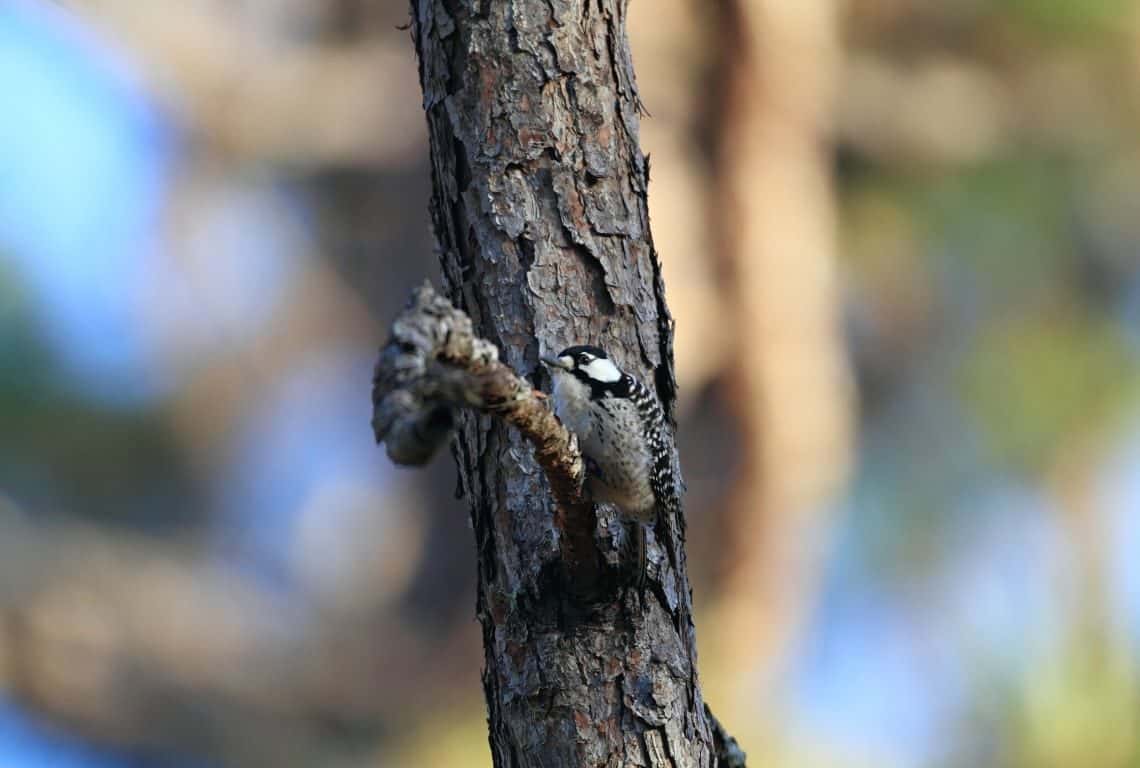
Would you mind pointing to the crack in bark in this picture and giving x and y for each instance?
(656, 748)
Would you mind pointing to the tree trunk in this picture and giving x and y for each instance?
(539, 208)
(790, 387)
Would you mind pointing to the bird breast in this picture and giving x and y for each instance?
(611, 435)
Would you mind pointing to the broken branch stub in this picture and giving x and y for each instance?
(433, 364)
(728, 751)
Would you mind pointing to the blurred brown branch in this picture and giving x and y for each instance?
(251, 88)
(130, 642)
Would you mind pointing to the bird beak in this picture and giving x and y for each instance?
(554, 362)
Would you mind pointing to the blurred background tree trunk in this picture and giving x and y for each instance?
(788, 380)
(539, 207)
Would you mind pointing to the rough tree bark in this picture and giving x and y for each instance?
(539, 208)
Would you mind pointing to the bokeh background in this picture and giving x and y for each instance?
(902, 243)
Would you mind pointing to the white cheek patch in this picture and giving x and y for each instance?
(603, 370)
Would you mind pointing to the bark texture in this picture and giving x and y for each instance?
(539, 208)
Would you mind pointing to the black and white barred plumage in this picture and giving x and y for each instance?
(621, 430)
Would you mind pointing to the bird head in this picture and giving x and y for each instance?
(585, 362)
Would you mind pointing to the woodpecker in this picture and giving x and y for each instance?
(622, 432)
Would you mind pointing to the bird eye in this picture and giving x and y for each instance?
(584, 359)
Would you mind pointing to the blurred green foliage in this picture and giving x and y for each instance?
(63, 454)
(1069, 18)
(1046, 380)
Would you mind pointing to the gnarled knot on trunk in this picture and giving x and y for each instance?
(434, 364)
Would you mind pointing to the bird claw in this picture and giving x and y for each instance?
(592, 467)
